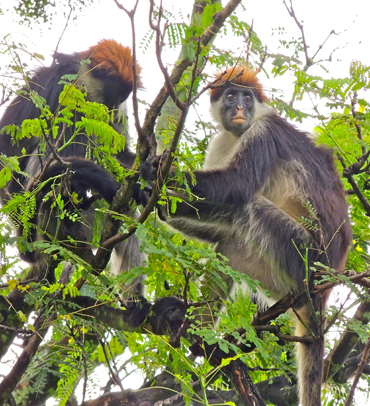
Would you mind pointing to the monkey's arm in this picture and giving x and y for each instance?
(86, 175)
(224, 190)
(126, 158)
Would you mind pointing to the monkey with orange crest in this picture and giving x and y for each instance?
(105, 72)
(260, 177)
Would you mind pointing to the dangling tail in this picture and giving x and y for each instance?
(310, 356)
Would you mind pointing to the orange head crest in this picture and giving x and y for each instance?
(116, 59)
(245, 78)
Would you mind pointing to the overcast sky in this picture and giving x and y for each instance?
(105, 20)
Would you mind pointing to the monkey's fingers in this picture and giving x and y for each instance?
(142, 196)
(167, 314)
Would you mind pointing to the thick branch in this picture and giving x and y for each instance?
(361, 279)
(349, 368)
(10, 305)
(275, 329)
(123, 196)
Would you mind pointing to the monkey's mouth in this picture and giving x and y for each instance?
(239, 120)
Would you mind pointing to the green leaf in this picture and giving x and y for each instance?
(189, 50)
(209, 11)
(22, 316)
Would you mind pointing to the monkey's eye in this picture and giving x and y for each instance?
(247, 98)
(230, 97)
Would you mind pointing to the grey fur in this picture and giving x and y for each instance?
(257, 183)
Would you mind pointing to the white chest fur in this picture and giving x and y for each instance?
(220, 150)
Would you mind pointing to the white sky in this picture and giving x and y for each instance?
(105, 20)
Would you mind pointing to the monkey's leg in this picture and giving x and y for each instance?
(285, 246)
(281, 250)
(256, 238)
(196, 229)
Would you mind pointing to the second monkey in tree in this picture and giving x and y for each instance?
(108, 78)
(260, 178)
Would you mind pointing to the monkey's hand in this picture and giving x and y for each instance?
(137, 310)
(142, 195)
(151, 168)
(162, 211)
(167, 314)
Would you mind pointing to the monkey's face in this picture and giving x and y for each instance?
(113, 90)
(237, 109)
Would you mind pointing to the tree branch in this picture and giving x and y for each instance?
(365, 355)
(348, 175)
(204, 39)
(346, 343)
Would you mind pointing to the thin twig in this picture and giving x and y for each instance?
(332, 32)
(116, 379)
(194, 73)
(164, 71)
(291, 12)
(355, 187)
(131, 15)
(354, 115)
(365, 356)
(263, 60)
(61, 36)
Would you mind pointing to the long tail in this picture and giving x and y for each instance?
(310, 356)
(125, 256)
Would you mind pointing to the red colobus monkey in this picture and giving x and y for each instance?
(261, 176)
(108, 79)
